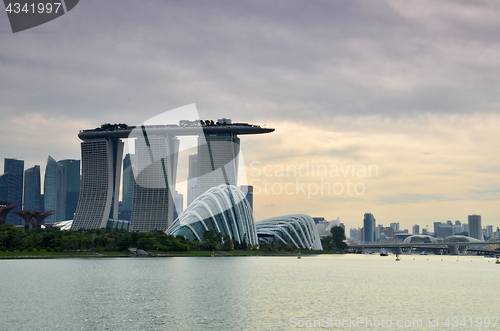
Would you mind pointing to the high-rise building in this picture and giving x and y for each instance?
(475, 228)
(32, 189)
(369, 225)
(489, 230)
(217, 159)
(248, 190)
(155, 171)
(67, 189)
(192, 190)
(444, 231)
(395, 226)
(100, 184)
(49, 189)
(4, 187)
(179, 204)
(15, 169)
(416, 229)
(436, 227)
(155, 168)
(128, 187)
(353, 233)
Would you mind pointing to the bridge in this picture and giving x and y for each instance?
(453, 247)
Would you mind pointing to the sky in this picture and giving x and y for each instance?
(407, 89)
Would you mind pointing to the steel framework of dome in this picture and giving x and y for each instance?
(298, 229)
(222, 209)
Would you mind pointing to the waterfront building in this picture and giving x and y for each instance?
(445, 231)
(128, 187)
(325, 227)
(419, 239)
(155, 169)
(222, 209)
(100, 184)
(15, 170)
(217, 159)
(475, 228)
(436, 227)
(4, 187)
(369, 225)
(299, 230)
(179, 204)
(32, 189)
(67, 189)
(353, 233)
(192, 190)
(156, 156)
(49, 189)
(248, 190)
(489, 230)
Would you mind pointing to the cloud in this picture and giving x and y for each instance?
(411, 86)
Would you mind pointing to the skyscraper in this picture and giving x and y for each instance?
(475, 228)
(100, 184)
(217, 159)
(128, 187)
(4, 187)
(179, 204)
(49, 189)
(436, 228)
(248, 190)
(395, 226)
(416, 229)
(155, 169)
(192, 191)
(32, 189)
(67, 189)
(369, 225)
(15, 169)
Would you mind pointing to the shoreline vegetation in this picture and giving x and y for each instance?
(16, 243)
(104, 254)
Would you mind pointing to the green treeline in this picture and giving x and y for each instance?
(54, 240)
(112, 240)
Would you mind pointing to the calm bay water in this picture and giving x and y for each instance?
(247, 293)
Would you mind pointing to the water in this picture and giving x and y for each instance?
(247, 293)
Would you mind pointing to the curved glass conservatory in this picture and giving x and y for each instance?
(223, 209)
(298, 229)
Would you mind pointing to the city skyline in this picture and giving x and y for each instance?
(409, 88)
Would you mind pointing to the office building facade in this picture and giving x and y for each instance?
(192, 180)
(217, 160)
(128, 187)
(32, 189)
(475, 228)
(369, 225)
(49, 189)
(416, 229)
(100, 184)
(155, 169)
(15, 170)
(67, 189)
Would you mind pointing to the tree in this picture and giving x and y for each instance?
(338, 237)
(228, 243)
